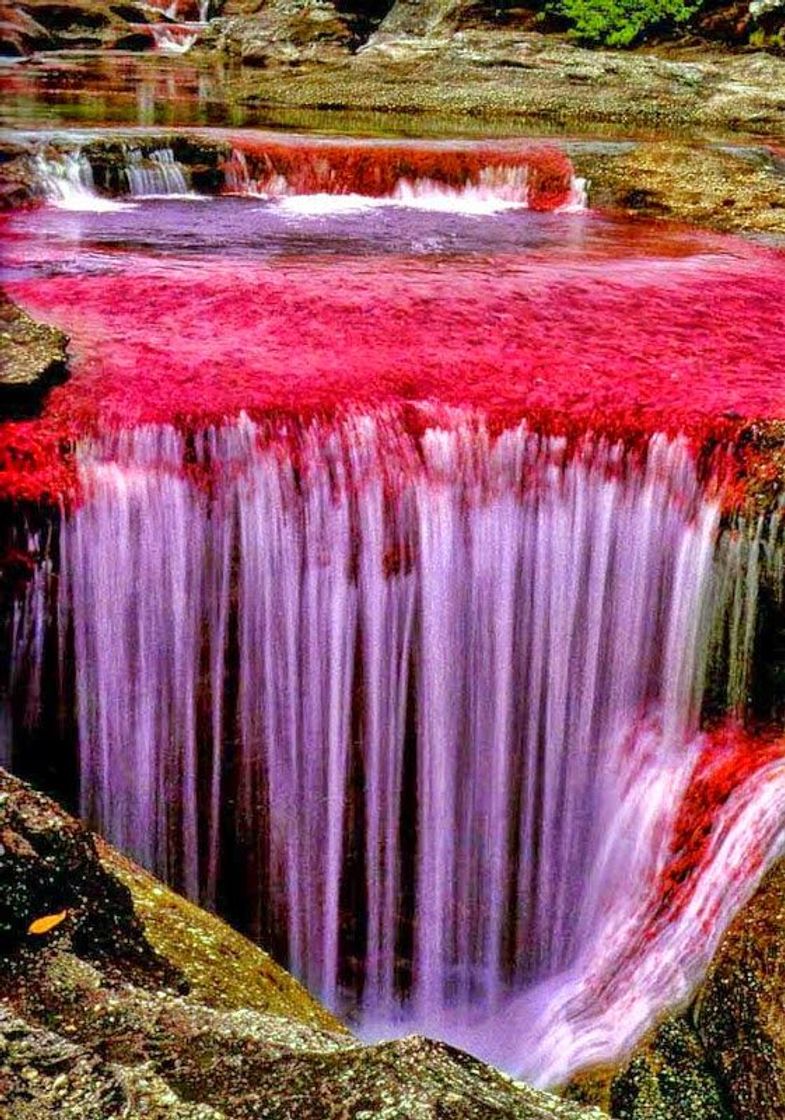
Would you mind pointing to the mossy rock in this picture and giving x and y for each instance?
(740, 1008)
(130, 1002)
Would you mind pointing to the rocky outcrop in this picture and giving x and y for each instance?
(723, 187)
(723, 1058)
(118, 999)
(32, 359)
(740, 1009)
(288, 32)
(27, 26)
(506, 73)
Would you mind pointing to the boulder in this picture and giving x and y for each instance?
(119, 1000)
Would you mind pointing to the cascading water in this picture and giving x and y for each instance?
(322, 175)
(173, 38)
(751, 554)
(434, 695)
(406, 174)
(155, 173)
(66, 181)
(412, 693)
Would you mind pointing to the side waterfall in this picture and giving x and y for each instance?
(429, 696)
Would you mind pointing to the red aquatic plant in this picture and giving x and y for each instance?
(539, 174)
(619, 347)
(731, 756)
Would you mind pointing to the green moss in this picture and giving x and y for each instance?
(223, 969)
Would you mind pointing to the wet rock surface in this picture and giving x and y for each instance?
(32, 359)
(103, 1015)
(721, 186)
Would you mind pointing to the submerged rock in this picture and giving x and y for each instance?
(32, 359)
(130, 1004)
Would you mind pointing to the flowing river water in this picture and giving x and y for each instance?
(387, 563)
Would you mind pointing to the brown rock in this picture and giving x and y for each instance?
(740, 1009)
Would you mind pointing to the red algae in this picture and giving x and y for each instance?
(375, 169)
(731, 757)
(626, 349)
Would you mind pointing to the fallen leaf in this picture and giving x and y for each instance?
(49, 921)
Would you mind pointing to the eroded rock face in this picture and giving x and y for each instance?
(103, 1018)
(293, 33)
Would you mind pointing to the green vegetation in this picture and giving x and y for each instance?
(620, 23)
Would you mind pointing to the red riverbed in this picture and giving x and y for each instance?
(627, 346)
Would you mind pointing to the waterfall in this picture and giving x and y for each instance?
(450, 177)
(173, 38)
(752, 555)
(155, 173)
(66, 180)
(428, 695)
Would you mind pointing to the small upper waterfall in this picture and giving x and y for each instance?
(154, 173)
(428, 696)
(173, 38)
(66, 180)
(312, 174)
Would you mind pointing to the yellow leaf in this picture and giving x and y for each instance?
(49, 921)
